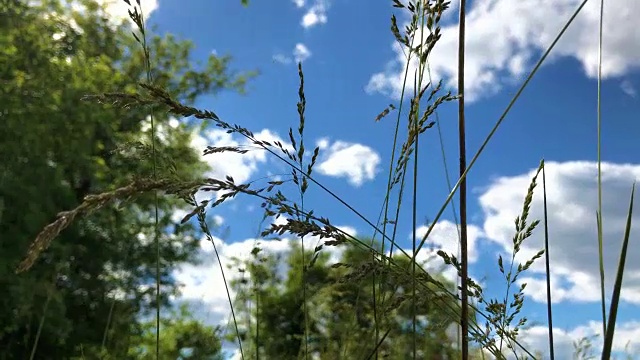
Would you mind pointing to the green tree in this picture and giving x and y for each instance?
(55, 149)
(341, 309)
(183, 337)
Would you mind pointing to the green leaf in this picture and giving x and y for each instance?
(617, 287)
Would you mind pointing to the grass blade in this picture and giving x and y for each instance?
(497, 124)
(546, 252)
(599, 215)
(617, 287)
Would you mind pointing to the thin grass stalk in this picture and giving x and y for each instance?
(256, 291)
(388, 193)
(500, 120)
(205, 229)
(201, 216)
(546, 252)
(503, 320)
(464, 252)
(138, 19)
(444, 159)
(177, 109)
(257, 325)
(156, 230)
(414, 214)
(384, 211)
(374, 296)
(110, 315)
(414, 211)
(453, 205)
(599, 140)
(392, 262)
(40, 325)
(108, 325)
(375, 350)
(617, 287)
(301, 108)
(181, 109)
(391, 165)
(448, 180)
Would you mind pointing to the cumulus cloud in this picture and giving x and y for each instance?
(499, 50)
(300, 53)
(572, 204)
(202, 283)
(444, 236)
(356, 162)
(625, 340)
(315, 14)
(239, 166)
(117, 10)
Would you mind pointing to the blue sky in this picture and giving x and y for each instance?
(351, 69)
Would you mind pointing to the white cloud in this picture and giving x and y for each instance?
(444, 236)
(499, 50)
(323, 143)
(118, 9)
(316, 14)
(282, 59)
(301, 53)
(239, 166)
(299, 3)
(536, 338)
(356, 162)
(572, 204)
(204, 282)
(628, 88)
(218, 220)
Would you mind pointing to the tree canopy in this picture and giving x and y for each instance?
(89, 288)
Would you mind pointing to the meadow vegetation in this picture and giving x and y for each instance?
(87, 180)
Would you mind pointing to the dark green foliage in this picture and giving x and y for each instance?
(55, 150)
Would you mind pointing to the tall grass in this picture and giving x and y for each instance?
(497, 322)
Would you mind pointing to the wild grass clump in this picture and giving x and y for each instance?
(490, 325)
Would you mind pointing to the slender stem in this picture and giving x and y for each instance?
(156, 230)
(40, 325)
(499, 122)
(546, 252)
(205, 229)
(414, 225)
(464, 313)
(599, 215)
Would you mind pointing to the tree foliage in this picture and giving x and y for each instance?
(342, 308)
(183, 337)
(89, 288)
